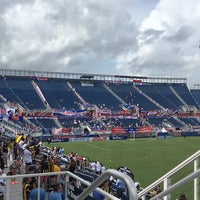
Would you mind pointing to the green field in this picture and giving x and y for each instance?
(149, 159)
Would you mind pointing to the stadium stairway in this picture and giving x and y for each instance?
(114, 94)
(76, 93)
(176, 94)
(149, 98)
(39, 92)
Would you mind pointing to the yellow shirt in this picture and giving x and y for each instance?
(56, 168)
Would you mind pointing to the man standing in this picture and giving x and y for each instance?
(27, 158)
(56, 193)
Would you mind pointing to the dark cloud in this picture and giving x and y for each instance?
(183, 33)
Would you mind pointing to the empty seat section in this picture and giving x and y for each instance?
(47, 123)
(183, 91)
(156, 96)
(130, 95)
(58, 94)
(175, 122)
(165, 90)
(96, 94)
(196, 96)
(25, 91)
(195, 121)
(155, 121)
(6, 91)
(190, 121)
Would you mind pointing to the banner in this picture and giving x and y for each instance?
(61, 131)
(118, 130)
(145, 129)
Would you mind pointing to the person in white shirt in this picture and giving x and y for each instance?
(93, 165)
(103, 169)
(98, 167)
(27, 158)
(21, 143)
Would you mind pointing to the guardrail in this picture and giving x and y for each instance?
(166, 179)
(14, 191)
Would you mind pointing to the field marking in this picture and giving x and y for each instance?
(106, 149)
(111, 150)
(131, 148)
(87, 144)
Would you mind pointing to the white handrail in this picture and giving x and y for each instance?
(91, 186)
(170, 173)
(177, 185)
(111, 172)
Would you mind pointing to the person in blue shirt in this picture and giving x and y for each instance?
(97, 195)
(57, 192)
(121, 189)
(34, 193)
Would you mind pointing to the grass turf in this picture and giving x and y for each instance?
(149, 159)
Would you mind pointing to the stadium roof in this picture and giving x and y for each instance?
(62, 75)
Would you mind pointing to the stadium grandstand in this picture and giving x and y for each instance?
(37, 107)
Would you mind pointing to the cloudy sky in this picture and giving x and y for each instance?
(129, 37)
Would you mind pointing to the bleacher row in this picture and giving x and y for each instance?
(62, 94)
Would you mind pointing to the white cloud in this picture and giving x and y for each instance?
(137, 37)
(42, 34)
(168, 42)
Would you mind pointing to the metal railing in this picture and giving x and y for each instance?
(14, 191)
(63, 75)
(166, 180)
(172, 188)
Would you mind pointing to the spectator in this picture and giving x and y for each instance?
(56, 193)
(44, 164)
(12, 172)
(62, 177)
(18, 163)
(56, 165)
(98, 167)
(34, 192)
(26, 188)
(97, 195)
(5, 153)
(72, 165)
(2, 184)
(121, 189)
(27, 157)
(1, 160)
(16, 150)
(182, 197)
(44, 168)
(51, 183)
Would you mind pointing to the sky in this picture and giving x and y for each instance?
(155, 38)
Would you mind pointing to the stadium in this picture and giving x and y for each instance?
(146, 127)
